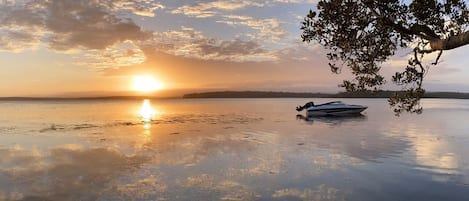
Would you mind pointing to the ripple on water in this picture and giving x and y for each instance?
(170, 119)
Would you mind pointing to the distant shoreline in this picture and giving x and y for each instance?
(273, 94)
(248, 94)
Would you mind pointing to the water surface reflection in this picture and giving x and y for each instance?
(228, 149)
(63, 173)
(146, 113)
(332, 120)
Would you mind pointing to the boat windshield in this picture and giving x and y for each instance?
(331, 103)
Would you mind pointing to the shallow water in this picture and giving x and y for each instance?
(230, 149)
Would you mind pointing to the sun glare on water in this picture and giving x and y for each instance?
(145, 83)
(146, 111)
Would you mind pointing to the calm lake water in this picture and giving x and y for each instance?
(231, 149)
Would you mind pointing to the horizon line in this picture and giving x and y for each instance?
(183, 96)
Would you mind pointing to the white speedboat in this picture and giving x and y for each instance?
(331, 108)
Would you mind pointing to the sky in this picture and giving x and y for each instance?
(76, 48)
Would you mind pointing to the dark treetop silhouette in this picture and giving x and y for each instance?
(364, 34)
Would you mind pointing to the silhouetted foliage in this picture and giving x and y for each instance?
(363, 34)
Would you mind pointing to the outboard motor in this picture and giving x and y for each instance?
(307, 105)
(299, 108)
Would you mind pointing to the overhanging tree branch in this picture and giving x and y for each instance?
(451, 42)
(364, 34)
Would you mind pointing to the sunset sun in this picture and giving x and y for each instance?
(144, 83)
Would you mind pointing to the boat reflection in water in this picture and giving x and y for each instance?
(333, 120)
(146, 113)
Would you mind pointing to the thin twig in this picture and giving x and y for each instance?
(438, 57)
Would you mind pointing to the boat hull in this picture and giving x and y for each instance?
(335, 111)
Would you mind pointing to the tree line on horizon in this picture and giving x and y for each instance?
(356, 94)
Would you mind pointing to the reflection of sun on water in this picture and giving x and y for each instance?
(146, 113)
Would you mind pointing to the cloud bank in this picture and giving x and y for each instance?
(67, 24)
